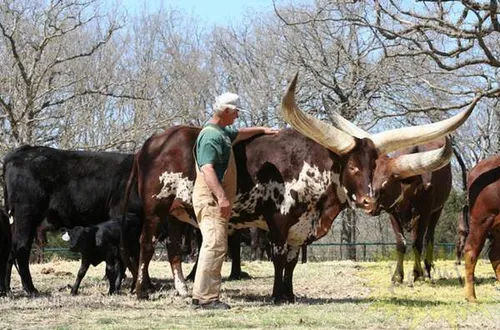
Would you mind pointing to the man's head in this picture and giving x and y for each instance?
(226, 107)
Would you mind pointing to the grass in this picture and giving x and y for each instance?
(338, 295)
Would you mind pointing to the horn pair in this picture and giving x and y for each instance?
(342, 138)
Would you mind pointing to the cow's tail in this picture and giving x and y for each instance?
(130, 183)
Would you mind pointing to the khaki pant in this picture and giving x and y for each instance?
(214, 232)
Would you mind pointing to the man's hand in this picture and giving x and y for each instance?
(269, 130)
(224, 207)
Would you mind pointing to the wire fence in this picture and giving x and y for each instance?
(362, 251)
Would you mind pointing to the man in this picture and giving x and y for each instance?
(213, 195)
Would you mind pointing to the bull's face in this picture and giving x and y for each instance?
(386, 188)
(357, 172)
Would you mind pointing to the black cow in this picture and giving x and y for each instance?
(5, 247)
(67, 188)
(102, 243)
(294, 190)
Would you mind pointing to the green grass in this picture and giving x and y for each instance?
(330, 295)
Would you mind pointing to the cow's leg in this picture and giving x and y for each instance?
(234, 246)
(22, 239)
(147, 242)
(199, 239)
(111, 275)
(291, 262)
(174, 241)
(84, 266)
(494, 253)
(8, 271)
(120, 272)
(473, 246)
(421, 221)
(3, 271)
(398, 275)
(279, 255)
(429, 242)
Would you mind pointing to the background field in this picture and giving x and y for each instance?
(334, 294)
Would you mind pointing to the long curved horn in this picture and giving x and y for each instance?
(324, 134)
(406, 166)
(344, 124)
(411, 136)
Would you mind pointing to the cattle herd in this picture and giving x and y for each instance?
(115, 207)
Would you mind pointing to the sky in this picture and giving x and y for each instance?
(220, 12)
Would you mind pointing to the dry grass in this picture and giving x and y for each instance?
(341, 295)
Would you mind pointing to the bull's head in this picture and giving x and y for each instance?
(368, 175)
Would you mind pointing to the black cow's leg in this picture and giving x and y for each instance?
(279, 253)
(112, 275)
(398, 275)
(8, 271)
(292, 258)
(234, 246)
(84, 266)
(22, 247)
(429, 243)
(148, 243)
(192, 274)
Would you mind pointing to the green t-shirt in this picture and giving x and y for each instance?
(213, 146)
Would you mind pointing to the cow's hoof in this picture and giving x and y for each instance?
(142, 295)
(237, 277)
(182, 290)
(471, 299)
(397, 279)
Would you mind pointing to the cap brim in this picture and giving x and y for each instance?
(243, 110)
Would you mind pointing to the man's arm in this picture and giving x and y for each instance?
(247, 132)
(213, 183)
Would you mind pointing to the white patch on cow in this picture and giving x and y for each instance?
(279, 249)
(65, 237)
(353, 197)
(174, 184)
(11, 220)
(370, 190)
(179, 281)
(293, 252)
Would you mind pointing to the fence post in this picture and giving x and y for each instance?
(364, 251)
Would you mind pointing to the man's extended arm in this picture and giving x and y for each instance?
(247, 132)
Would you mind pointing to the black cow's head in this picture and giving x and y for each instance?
(370, 178)
(80, 238)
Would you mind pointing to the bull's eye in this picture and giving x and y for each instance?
(353, 169)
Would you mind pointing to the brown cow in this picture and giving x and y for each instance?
(414, 202)
(483, 191)
(294, 190)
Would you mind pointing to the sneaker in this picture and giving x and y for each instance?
(216, 304)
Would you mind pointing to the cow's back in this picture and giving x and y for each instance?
(484, 185)
(68, 187)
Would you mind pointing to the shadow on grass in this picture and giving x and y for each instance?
(265, 299)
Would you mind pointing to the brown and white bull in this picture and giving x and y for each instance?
(293, 184)
(483, 190)
(414, 201)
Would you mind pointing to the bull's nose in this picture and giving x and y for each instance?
(367, 203)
